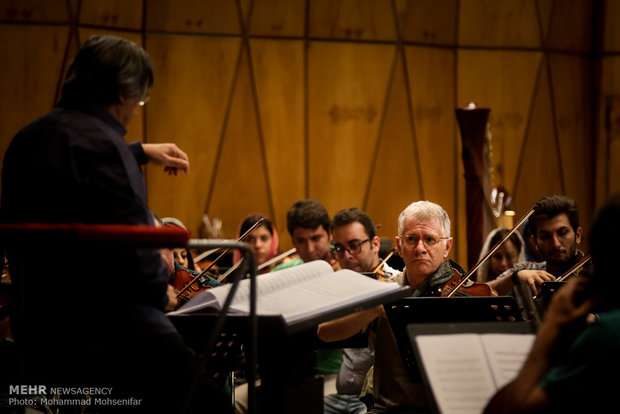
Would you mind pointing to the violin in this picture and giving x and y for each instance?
(185, 289)
(464, 284)
(190, 284)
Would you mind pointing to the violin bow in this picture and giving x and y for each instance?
(241, 238)
(490, 253)
(261, 267)
(575, 269)
(392, 251)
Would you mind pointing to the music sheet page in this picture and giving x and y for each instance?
(506, 354)
(458, 372)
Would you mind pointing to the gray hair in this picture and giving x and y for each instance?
(425, 211)
(106, 67)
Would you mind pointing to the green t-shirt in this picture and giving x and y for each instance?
(583, 378)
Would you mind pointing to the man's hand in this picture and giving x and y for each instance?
(168, 155)
(534, 279)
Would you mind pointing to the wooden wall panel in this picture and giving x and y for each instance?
(431, 75)
(347, 87)
(349, 102)
(125, 14)
(429, 22)
(32, 61)
(35, 11)
(352, 19)
(571, 76)
(241, 184)
(278, 18)
(204, 16)
(194, 78)
(503, 81)
(507, 23)
(608, 19)
(573, 17)
(540, 171)
(279, 76)
(397, 176)
(608, 155)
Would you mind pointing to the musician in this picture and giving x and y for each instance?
(506, 255)
(264, 239)
(182, 255)
(356, 247)
(309, 225)
(556, 231)
(98, 321)
(568, 369)
(424, 243)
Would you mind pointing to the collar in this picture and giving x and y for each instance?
(94, 110)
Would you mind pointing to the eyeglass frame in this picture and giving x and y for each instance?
(144, 100)
(339, 250)
(402, 239)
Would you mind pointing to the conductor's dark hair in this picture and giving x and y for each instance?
(353, 215)
(105, 68)
(549, 207)
(307, 214)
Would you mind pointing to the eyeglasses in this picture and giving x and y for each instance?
(144, 100)
(412, 240)
(352, 247)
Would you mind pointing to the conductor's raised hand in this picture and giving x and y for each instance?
(169, 155)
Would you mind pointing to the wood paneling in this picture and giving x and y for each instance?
(506, 23)
(278, 18)
(349, 102)
(352, 19)
(194, 79)
(35, 11)
(347, 86)
(429, 22)
(32, 61)
(204, 16)
(279, 77)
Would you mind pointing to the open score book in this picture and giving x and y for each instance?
(465, 370)
(297, 293)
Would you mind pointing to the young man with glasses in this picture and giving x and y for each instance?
(424, 243)
(356, 247)
(555, 229)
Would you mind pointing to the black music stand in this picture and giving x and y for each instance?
(440, 310)
(285, 353)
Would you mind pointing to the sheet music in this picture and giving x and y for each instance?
(296, 293)
(307, 298)
(458, 372)
(506, 355)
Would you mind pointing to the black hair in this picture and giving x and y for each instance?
(105, 68)
(352, 215)
(307, 214)
(551, 206)
(252, 220)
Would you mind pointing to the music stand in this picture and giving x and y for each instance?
(438, 310)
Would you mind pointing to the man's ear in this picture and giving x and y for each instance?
(578, 234)
(398, 247)
(375, 242)
(449, 243)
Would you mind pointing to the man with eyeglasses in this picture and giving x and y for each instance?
(356, 247)
(424, 243)
(556, 231)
